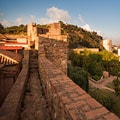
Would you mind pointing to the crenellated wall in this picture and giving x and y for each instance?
(66, 100)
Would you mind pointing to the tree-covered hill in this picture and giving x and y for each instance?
(21, 29)
(79, 37)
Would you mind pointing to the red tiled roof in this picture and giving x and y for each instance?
(11, 47)
(12, 43)
(17, 43)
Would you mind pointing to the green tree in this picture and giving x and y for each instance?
(79, 76)
(116, 83)
(109, 100)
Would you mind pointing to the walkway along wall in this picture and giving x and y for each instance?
(66, 100)
(10, 109)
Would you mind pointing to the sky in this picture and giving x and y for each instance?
(101, 16)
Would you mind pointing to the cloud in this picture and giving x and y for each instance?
(54, 15)
(5, 23)
(86, 27)
(99, 32)
(25, 20)
(19, 20)
(32, 18)
(81, 19)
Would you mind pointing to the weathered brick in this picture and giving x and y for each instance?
(111, 116)
(96, 113)
(93, 103)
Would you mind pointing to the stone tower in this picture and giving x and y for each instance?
(54, 29)
(32, 35)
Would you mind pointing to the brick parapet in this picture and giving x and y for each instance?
(10, 110)
(66, 100)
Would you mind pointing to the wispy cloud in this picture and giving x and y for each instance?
(87, 27)
(81, 19)
(54, 15)
(18, 21)
(5, 23)
(32, 18)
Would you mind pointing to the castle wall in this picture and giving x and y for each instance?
(5, 86)
(54, 29)
(10, 110)
(56, 51)
(66, 100)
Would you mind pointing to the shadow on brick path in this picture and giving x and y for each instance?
(34, 106)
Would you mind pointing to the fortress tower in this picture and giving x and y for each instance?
(32, 35)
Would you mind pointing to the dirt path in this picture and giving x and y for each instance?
(102, 85)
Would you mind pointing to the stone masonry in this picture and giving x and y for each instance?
(32, 34)
(34, 106)
(66, 100)
(54, 32)
(56, 51)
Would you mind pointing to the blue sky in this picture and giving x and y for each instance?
(93, 15)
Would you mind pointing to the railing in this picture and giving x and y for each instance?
(6, 60)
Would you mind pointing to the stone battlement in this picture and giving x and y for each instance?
(66, 100)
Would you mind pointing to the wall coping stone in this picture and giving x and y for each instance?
(67, 101)
(10, 110)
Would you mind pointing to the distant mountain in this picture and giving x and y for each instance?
(78, 37)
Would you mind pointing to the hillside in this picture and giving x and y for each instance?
(78, 37)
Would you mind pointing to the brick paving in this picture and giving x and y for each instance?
(34, 104)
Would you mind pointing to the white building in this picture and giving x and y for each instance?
(107, 44)
(119, 52)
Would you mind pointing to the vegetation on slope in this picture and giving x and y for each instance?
(107, 99)
(95, 63)
(21, 29)
(79, 37)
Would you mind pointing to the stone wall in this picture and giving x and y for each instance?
(5, 86)
(56, 52)
(65, 99)
(10, 109)
(54, 29)
(54, 32)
